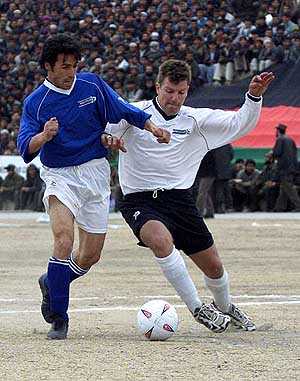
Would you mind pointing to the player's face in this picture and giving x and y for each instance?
(63, 73)
(171, 96)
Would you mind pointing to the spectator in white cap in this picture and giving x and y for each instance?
(53, 29)
(97, 66)
(154, 36)
(154, 52)
(133, 49)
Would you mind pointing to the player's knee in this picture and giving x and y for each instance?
(215, 270)
(161, 244)
(63, 246)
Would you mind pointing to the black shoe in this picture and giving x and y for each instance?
(59, 329)
(45, 306)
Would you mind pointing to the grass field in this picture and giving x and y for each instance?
(261, 255)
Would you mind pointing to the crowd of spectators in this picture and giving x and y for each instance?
(244, 188)
(125, 41)
(220, 187)
(19, 193)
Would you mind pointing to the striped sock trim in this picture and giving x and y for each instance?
(75, 268)
(57, 261)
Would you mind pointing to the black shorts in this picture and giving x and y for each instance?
(176, 210)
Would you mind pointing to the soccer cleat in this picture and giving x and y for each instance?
(45, 306)
(211, 317)
(239, 319)
(59, 329)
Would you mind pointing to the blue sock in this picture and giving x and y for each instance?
(58, 281)
(75, 270)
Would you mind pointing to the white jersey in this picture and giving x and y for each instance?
(149, 165)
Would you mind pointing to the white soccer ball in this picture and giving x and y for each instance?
(157, 320)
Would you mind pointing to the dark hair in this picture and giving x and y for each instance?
(175, 71)
(250, 161)
(59, 44)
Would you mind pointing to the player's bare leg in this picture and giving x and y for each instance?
(65, 267)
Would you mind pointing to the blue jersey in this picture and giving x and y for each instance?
(82, 113)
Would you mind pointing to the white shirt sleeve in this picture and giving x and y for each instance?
(118, 129)
(219, 127)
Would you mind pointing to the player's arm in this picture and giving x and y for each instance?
(32, 134)
(37, 141)
(118, 109)
(221, 127)
(109, 139)
(162, 135)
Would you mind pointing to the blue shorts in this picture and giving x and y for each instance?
(176, 210)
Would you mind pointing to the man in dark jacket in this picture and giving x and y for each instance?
(31, 192)
(10, 189)
(245, 197)
(285, 152)
(223, 156)
(267, 184)
(202, 187)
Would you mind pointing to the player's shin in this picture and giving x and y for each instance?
(75, 270)
(220, 290)
(59, 286)
(174, 269)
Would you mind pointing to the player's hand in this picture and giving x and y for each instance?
(113, 142)
(259, 83)
(50, 129)
(162, 135)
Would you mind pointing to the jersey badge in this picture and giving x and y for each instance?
(181, 132)
(87, 101)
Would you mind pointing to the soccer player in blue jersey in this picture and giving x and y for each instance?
(64, 120)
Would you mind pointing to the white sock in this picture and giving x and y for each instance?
(174, 269)
(220, 290)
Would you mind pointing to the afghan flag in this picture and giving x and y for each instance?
(281, 104)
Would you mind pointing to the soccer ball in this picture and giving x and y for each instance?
(157, 320)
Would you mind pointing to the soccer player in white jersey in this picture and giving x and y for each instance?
(64, 120)
(155, 180)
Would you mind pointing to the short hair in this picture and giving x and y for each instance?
(250, 161)
(175, 70)
(59, 44)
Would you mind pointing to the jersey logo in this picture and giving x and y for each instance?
(136, 214)
(181, 132)
(86, 101)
